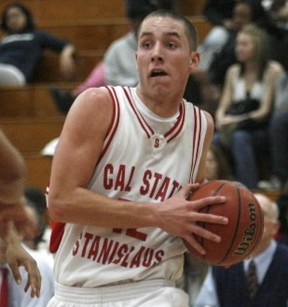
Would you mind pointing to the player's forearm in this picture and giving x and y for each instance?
(89, 208)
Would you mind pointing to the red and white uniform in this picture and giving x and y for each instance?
(144, 158)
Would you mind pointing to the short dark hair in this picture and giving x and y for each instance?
(30, 24)
(190, 30)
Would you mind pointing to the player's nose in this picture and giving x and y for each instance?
(157, 53)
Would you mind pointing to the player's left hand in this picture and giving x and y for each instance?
(17, 256)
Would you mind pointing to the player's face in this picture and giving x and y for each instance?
(164, 59)
(245, 49)
(16, 19)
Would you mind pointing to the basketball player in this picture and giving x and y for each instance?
(125, 163)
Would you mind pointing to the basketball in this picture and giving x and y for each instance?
(244, 230)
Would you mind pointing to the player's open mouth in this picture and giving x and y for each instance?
(157, 73)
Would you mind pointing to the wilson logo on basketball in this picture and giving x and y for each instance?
(248, 233)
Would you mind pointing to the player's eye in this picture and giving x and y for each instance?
(171, 45)
(146, 45)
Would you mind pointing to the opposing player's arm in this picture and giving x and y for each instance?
(13, 172)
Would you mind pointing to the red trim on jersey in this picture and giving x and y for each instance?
(56, 236)
(148, 130)
(177, 128)
(114, 122)
(196, 139)
(171, 133)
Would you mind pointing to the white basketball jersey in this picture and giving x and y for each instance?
(137, 164)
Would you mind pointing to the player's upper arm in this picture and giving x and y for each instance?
(81, 139)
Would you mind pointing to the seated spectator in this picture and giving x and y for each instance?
(278, 129)
(22, 45)
(246, 104)
(226, 287)
(225, 57)
(211, 75)
(118, 66)
(220, 14)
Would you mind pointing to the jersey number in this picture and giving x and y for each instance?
(132, 232)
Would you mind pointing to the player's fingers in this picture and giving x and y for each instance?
(204, 233)
(210, 218)
(15, 272)
(34, 280)
(208, 201)
(192, 242)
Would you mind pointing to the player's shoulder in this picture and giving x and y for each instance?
(92, 107)
(93, 99)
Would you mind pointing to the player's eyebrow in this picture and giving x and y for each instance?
(172, 34)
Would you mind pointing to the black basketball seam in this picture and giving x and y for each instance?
(236, 229)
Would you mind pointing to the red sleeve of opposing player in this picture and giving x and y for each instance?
(56, 236)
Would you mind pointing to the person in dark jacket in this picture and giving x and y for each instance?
(22, 45)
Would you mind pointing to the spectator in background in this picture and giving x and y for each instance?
(22, 45)
(211, 74)
(225, 57)
(246, 104)
(226, 287)
(278, 130)
(220, 14)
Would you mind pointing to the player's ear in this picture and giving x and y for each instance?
(194, 60)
